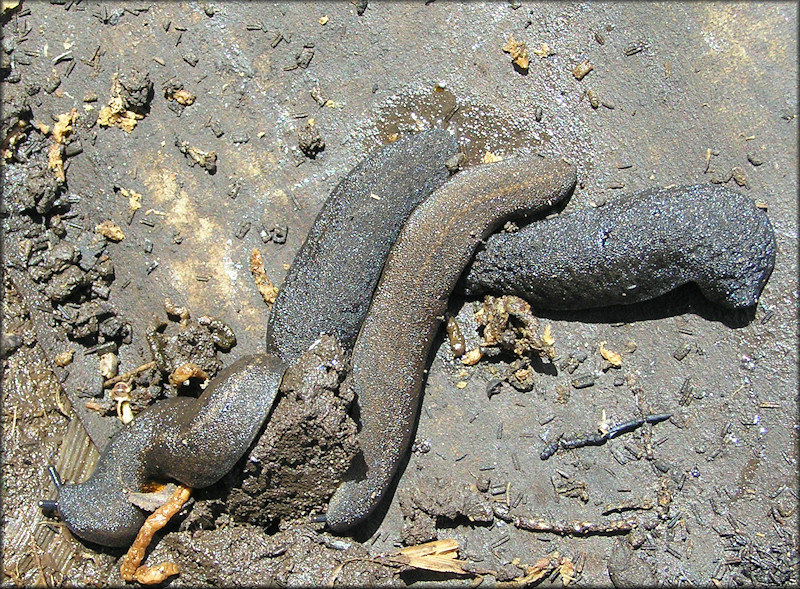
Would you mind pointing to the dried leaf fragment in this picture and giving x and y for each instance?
(156, 574)
(9, 5)
(472, 357)
(490, 158)
(134, 198)
(110, 231)
(182, 96)
(612, 357)
(63, 127)
(116, 113)
(269, 292)
(544, 51)
(518, 52)
(439, 556)
(64, 358)
(61, 131)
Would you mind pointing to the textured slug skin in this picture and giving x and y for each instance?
(195, 441)
(330, 284)
(392, 348)
(327, 290)
(635, 248)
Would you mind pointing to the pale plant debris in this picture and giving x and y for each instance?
(185, 372)
(613, 358)
(518, 52)
(110, 231)
(130, 568)
(582, 69)
(116, 112)
(60, 135)
(268, 291)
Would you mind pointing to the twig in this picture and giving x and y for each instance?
(598, 439)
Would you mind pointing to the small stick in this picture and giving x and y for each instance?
(112, 381)
(596, 439)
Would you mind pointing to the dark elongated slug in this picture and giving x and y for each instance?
(329, 286)
(424, 265)
(195, 441)
(635, 248)
(327, 290)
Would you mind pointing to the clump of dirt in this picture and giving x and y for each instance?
(433, 499)
(297, 556)
(307, 446)
(509, 327)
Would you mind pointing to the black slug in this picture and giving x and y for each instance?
(328, 290)
(195, 441)
(634, 248)
(424, 265)
(329, 286)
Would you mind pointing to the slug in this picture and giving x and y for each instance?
(327, 290)
(635, 248)
(330, 284)
(422, 269)
(195, 441)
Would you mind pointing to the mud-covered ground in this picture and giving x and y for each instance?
(239, 120)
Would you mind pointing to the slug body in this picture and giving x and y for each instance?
(331, 281)
(635, 248)
(195, 441)
(327, 290)
(392, 348)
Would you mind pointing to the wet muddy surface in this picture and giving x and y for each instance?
(149, 148)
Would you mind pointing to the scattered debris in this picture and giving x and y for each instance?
(61, 131)
(182, 374)
(175, 92)
(433, 499)
(205, 159)
(269, 292)
(580, 70)
(594, 99)
(635, 47)
(518, 52)
(457, 344)
(64, 358)
(508, 325)
(572, 528)
(129, 102)
(490, 158)
(309, 140)
(613, 358)
(110, 231)
(544, 51)
(439, 556)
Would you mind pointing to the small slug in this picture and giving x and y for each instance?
(392, 347)
(330, 284)
(328, 290)
(635, 248)
(195, 441)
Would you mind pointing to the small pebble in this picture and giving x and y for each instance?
(583, 381)
(754, 159)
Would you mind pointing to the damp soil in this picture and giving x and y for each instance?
(149, 148)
